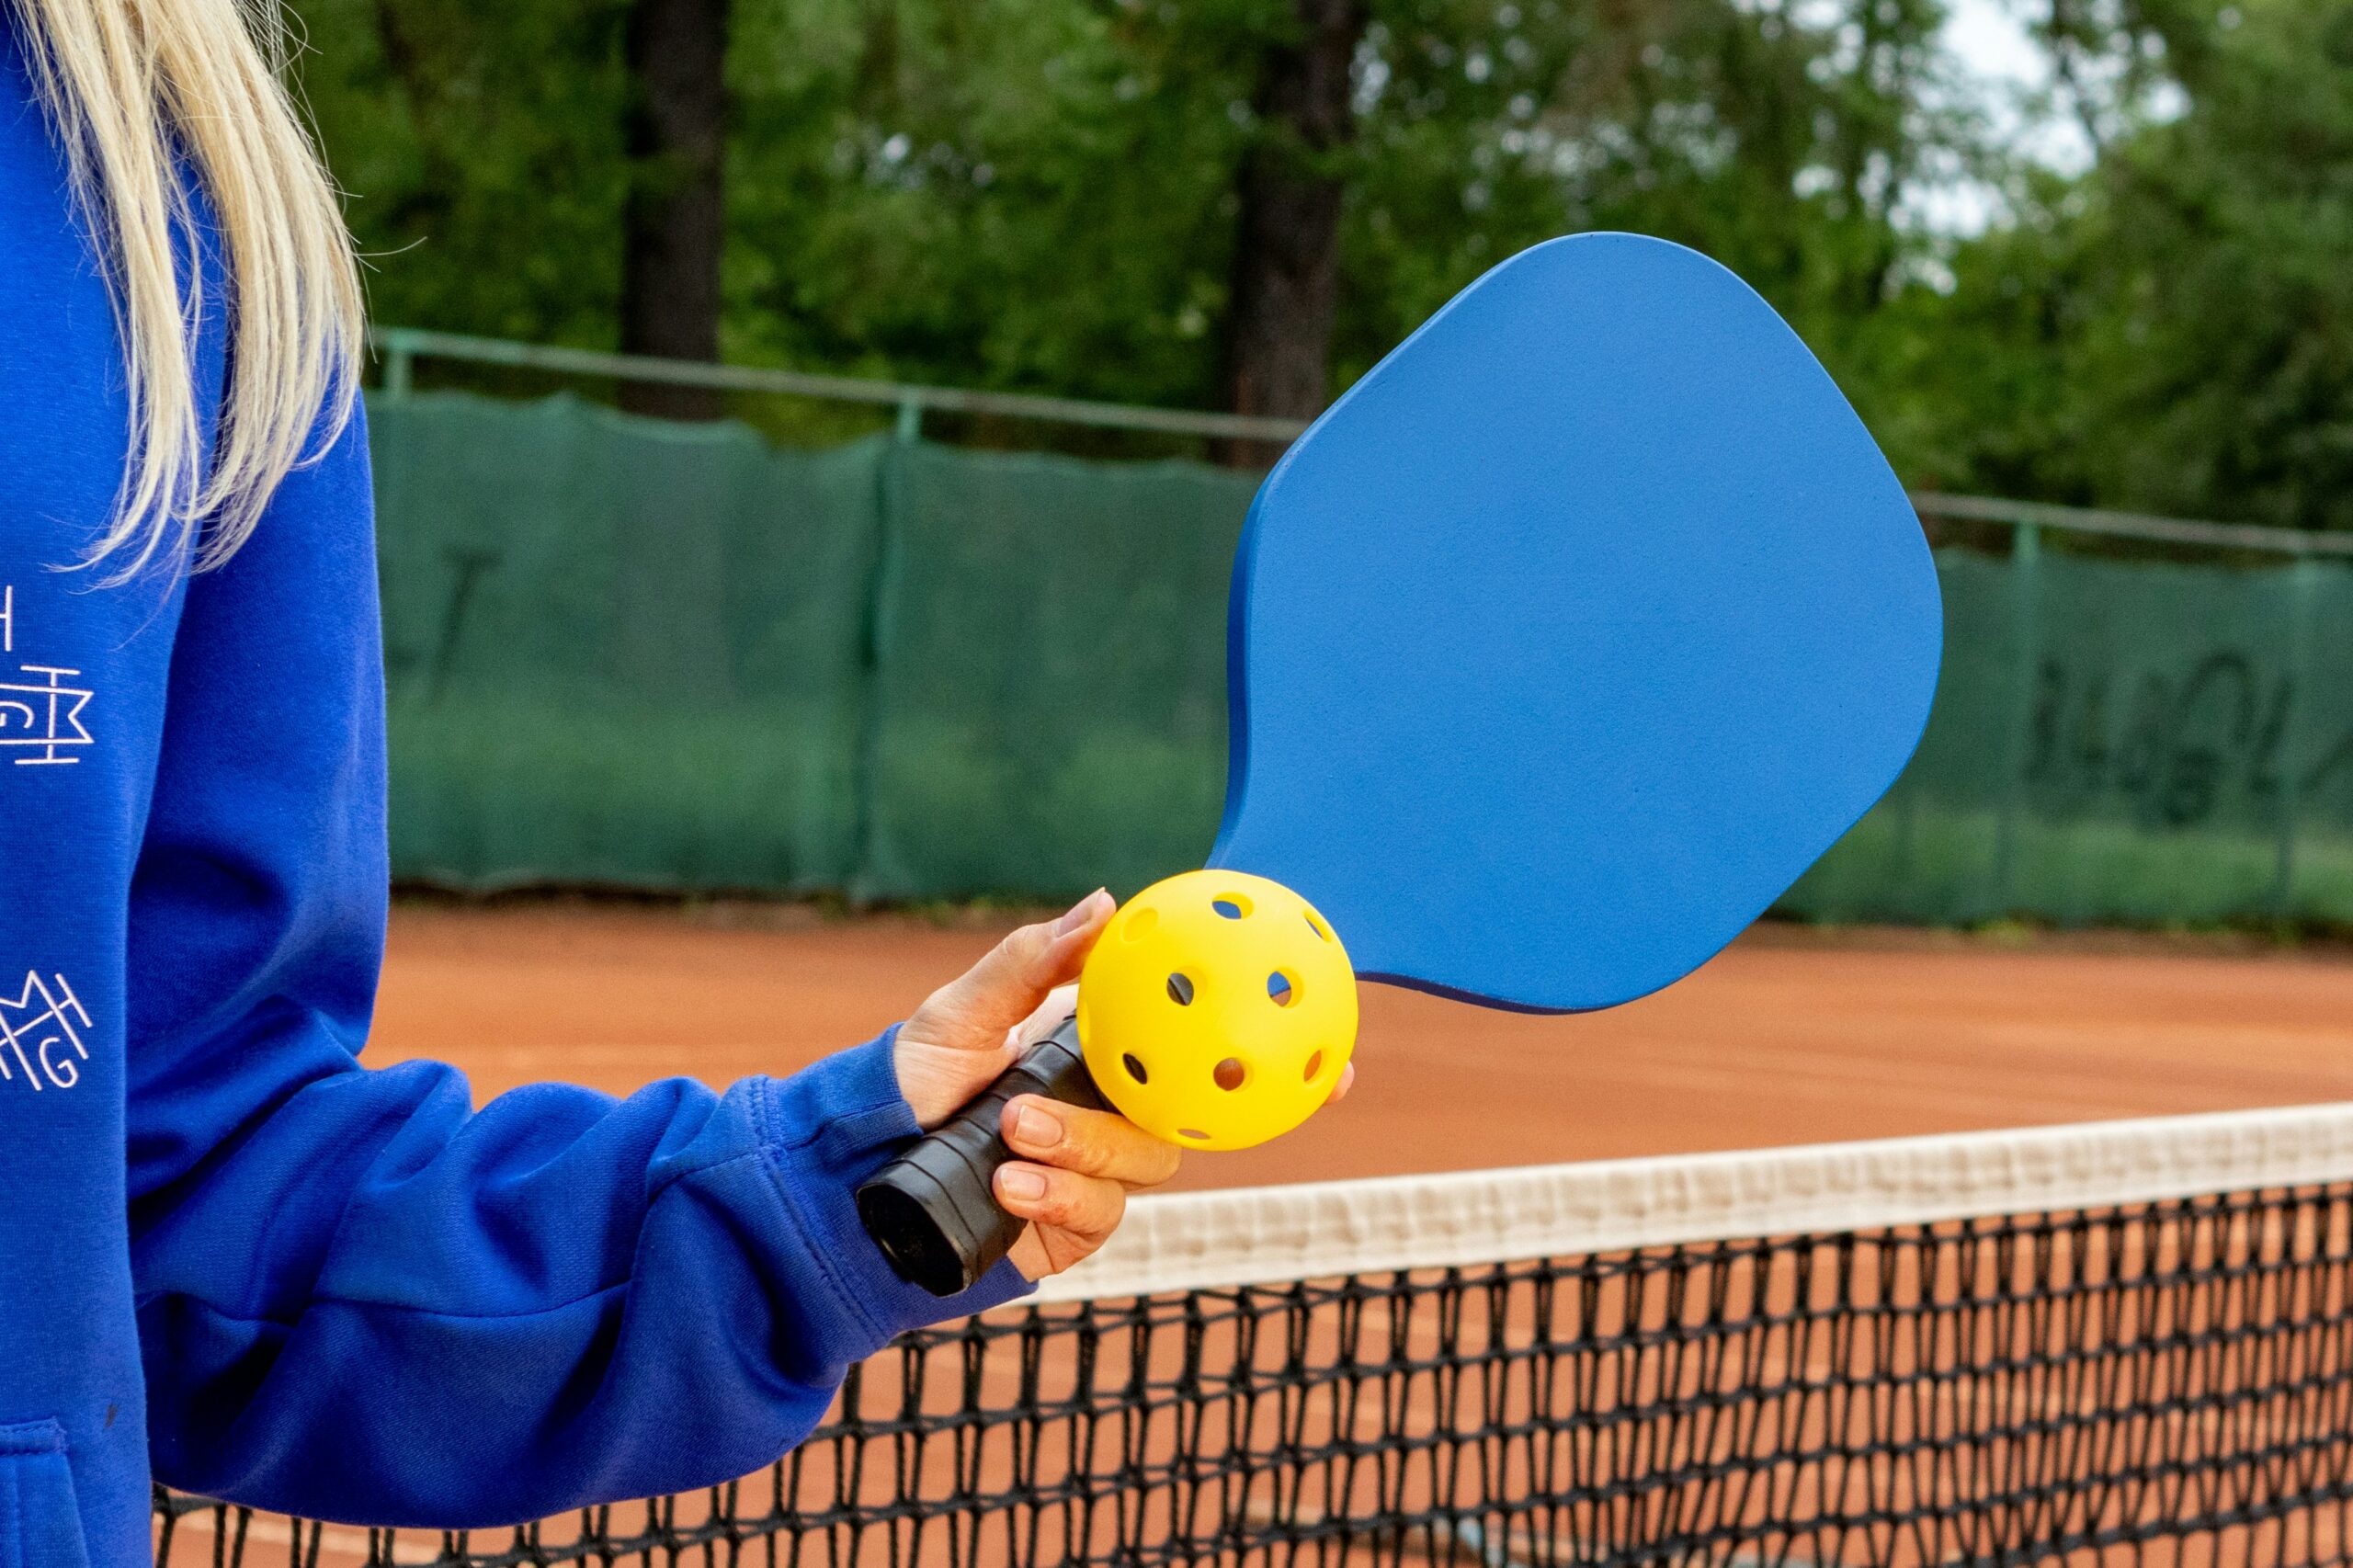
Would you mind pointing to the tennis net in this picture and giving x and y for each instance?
(2122, 1342)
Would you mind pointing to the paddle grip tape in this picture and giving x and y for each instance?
(933, 1210)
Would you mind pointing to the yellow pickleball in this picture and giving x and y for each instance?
(1217, 1010)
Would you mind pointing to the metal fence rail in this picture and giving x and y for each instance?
(2038, 515)
(399, 348)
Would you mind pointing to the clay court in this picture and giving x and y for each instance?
(1795, 1035)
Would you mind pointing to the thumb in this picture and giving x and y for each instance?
(974, 1011)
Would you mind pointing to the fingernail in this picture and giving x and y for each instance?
(1079, 915)
(1015, 1182)
(1034, 1128)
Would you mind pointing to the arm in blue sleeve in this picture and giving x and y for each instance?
(360, 1298)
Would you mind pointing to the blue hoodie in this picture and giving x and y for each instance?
(228, 1253)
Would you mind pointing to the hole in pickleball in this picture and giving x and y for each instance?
(1135, 1069)
(1280, 989)
(1317, 926)
(1191, 1133)
(1314, 1065)
(1232, 905)
(1181, 989)
(1231, 1075)
(1139, 925)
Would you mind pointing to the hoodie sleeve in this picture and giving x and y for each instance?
(359, 1298)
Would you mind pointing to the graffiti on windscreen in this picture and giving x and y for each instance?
(2177, 745)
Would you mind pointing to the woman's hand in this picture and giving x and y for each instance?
(1071, 1215)
(971, 1029)
(1076, 1170)
(1078, 1165)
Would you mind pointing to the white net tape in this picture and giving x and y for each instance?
(1252, 1236)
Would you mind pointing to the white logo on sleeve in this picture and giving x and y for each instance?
(40, 713)
(41, 1034)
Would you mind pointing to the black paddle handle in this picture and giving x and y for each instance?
(933, 1210)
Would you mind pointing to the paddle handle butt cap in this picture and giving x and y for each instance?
(933, 1210)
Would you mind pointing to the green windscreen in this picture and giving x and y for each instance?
(620, 652)
(629, 653)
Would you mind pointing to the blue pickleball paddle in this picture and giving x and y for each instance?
(1569, 637)
(1559, 647)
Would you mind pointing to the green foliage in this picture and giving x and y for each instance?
(1040, 193)
(2173, 331)
(482, 146)
(1782, 149)
(995, 192)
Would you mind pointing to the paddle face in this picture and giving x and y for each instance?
(1568, 638)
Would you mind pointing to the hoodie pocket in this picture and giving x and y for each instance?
(41, 1525)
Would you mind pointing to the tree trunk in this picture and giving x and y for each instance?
(1285, 279)
(674, 226)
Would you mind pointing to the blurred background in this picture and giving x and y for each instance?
(2082, 251)
(810, 438)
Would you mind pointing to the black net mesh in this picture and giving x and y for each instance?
(2166, 1382)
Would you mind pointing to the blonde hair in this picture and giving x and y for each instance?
(137, 90)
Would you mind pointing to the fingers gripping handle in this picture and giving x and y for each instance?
(933, 1210)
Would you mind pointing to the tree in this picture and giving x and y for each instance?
(674, 226)
(2173, 330)
(1285, 280)
(483, 146)
(1144, 201)
(1784, 147)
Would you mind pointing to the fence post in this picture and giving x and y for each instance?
(2026, 652)
(2303, 587)
(399, 364)
(868, 881)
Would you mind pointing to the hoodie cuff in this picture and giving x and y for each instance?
(828, 1127)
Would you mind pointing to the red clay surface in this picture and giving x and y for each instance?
(1791, 1037)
